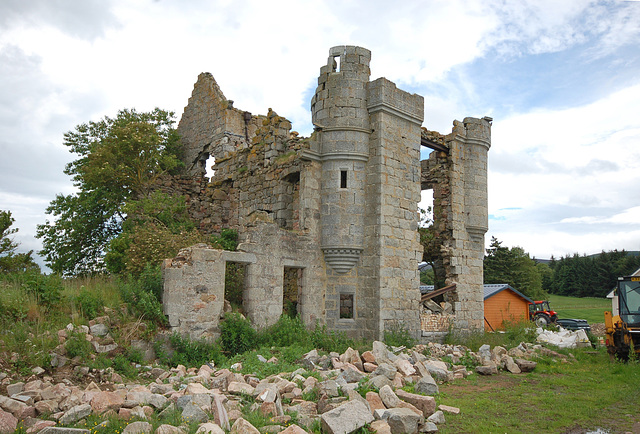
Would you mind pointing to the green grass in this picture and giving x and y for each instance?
(589, 308)
(589, 393)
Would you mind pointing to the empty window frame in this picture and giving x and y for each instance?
(346, 306)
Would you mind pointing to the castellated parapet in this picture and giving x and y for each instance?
(327, 224)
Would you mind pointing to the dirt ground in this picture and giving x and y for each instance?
(598, 329)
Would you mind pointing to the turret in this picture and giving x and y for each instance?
(340, 116)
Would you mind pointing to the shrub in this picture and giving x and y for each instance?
(194, 352)
(13, 303)
(287, 331)
(123, 366)
(78, 346)
(228, 239)
(330, 341)
(89, 303)
(144, 295)
(398, 336)
(47, 288)
(237, 335)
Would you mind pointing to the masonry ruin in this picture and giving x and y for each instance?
(328, 224)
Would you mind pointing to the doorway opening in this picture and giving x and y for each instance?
(291, 290)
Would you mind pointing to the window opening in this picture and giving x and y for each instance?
(343, 179)
(234, 285)
(336, 63)
(292, 287)
(209, 167)
(346, 306)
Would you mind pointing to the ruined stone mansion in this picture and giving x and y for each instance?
(328, 223)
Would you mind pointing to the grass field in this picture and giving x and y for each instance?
(576, 396)
(589, 308)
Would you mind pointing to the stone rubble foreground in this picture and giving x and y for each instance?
(214, 397)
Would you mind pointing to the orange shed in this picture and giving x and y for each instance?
(503, 304)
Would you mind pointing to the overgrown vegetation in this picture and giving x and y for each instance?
(513, 335)
(119, 161)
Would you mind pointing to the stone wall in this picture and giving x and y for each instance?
(458, 178)
(338, 208)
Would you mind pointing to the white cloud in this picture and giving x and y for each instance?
(629, 216)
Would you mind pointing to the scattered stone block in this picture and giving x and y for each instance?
(375, 403)
(15, 388)
(380, 427)
(388, 397)
(427, 386)
(437, 418)
(63, 430)
(138, 428)
(426, 404)
(487, 370)
(293, 429)
(8, 422)
(76, 413)
(449, 409)
(193, 413)
(402, 420)
(347, 418)
(526, 365)
(241, 426)
(209, 428)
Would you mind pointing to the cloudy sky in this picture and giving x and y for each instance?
(560, 78)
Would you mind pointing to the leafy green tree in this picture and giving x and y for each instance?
(119, 160)
(157, 227)
(514, 267)
(10, 261)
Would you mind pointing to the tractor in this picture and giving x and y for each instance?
(623, 329)
(540, 312)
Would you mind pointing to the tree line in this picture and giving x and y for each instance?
(572, 275)
(591, 276)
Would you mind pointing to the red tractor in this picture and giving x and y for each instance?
(541, 313)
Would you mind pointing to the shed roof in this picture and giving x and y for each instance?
(494, 288)
(489, 290)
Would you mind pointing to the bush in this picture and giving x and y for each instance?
(228, 240)
(287, 331)
(47, 288)
(123, 366)
(237, 335)
(89, 303)
(194, 352)
(144, 295)
(398, 336)
(78, 346)
(330, 341)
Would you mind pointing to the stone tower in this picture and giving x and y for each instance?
(339, 113)
(367, 140)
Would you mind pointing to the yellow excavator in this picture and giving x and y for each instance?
(623, 326)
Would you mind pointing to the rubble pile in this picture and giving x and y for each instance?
(436, 317)
(339, 392)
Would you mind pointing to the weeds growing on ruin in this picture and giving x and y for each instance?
(398, 336)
